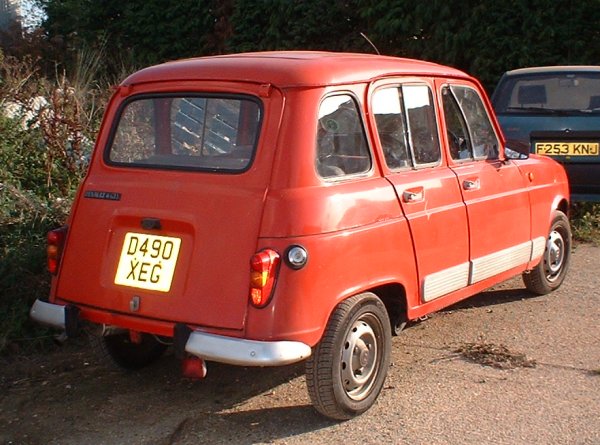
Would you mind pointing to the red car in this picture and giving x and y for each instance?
(263, 209)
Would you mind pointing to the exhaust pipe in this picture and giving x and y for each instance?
(193, 368)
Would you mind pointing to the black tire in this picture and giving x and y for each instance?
(549, 274)
(348, 367)
(118, 350)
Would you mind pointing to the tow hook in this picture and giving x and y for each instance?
(193, 368)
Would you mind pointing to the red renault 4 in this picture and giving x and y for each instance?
(263, 209)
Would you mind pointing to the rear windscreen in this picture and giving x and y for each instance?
(549, 93)
(188, 132)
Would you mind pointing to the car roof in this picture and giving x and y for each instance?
(290, 68)
(554, 69)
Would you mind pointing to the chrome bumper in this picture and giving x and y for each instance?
(217, 348)
(48, 314)
(237, 351)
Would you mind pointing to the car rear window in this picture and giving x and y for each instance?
(577, 92)
(186, 132)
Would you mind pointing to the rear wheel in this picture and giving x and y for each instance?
(119, 350)
(346, 372)
(552, 269)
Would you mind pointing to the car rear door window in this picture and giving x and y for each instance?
(422, 125)
(389, 118)
(406, 124)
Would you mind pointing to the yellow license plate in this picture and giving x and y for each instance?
(567, 148)
(148, 261)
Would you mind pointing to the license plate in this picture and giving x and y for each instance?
(148, 261)
(567, 148)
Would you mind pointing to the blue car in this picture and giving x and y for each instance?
(555, 111)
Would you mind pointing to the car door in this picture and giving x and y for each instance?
(493, 189)
(428, 191)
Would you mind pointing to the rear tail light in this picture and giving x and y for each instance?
(56, 242)
(264, 267)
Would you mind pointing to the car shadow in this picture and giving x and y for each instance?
(227, 412)
(493, 297)
(264, 425)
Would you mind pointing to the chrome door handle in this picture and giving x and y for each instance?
(413, 195)
(471, 184)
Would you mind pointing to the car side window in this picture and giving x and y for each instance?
(484, 142)
(456, 128)
(341, 141)
(406, 124)
(389, 118)
(422, 125)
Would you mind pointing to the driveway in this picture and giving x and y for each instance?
(503, 367)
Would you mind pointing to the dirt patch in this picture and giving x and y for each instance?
(496, 356)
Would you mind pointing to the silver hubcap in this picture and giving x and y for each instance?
(555, 255)
(360, 361)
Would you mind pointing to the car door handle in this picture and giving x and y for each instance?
(471, 184)
(413, 195)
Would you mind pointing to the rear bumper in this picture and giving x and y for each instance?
(48, 314)
(218, 348)
(237, 351)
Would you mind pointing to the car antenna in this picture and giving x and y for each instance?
(370, 43)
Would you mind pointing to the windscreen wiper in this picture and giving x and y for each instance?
(538, 110)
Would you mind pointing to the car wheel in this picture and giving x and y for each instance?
(118, 350)
(347, 369)
(552, 269)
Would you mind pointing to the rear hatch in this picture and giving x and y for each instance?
(169, 215)
(556, 112)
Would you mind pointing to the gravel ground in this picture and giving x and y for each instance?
(500, 368)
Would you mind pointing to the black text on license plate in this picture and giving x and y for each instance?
(567, 148)
(148, 261)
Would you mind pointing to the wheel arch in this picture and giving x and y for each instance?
(563, 206)
(393, 296)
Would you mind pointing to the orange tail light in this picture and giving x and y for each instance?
(56, 241)
(264, 267)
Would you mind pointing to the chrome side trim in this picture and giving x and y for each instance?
(445, 281)
(48, 314)
(237, 351)
(538, 247)
(498, 262)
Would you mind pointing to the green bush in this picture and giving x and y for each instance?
(586, 222)
(26, 212)
(44, 145)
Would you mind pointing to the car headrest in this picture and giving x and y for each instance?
(532, 94)
(594, 102)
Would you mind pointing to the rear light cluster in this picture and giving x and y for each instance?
(264, 267)
(56, 242)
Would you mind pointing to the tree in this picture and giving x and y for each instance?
(134, 33)
(486, 38)
(482, 37)
(332, 25)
